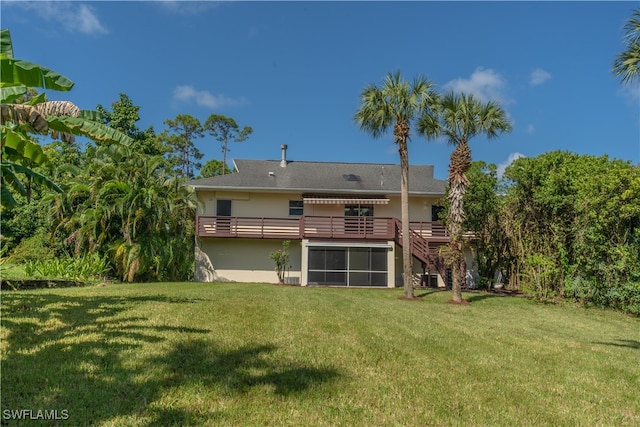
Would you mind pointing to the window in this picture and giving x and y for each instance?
(223, 211)
(347, 266)
(358, 210)
(356, 222)
(223, 207)
(296, 207)
(437, 213)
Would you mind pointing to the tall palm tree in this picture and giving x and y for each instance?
(397, 103)
(458, 119)
(627, 63)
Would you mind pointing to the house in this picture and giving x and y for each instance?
(342, 221)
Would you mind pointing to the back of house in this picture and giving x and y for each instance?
(341, 219)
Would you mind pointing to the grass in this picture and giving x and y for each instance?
(239, 354)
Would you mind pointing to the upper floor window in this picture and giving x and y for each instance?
(437, 213)
(358, 210)
(296, 207)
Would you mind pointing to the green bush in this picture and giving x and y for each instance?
(85, 268)
(32, 249)
(624, 297)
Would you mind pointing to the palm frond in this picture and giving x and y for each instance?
(627, 64)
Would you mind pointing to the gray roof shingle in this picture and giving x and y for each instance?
(323, 177)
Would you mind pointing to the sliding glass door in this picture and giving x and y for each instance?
(348, 266)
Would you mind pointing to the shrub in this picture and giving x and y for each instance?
(625, 297)
(281, 258)
(31, 249)
(85, 268)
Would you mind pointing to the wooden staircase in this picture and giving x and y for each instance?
(422, 251)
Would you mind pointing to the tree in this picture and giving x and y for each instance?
(129, 206)
(23, 113)
(225, 129)
(179, 141)
(280, 259)
(459, 118)
(397, 104)
(123, 117)
(483, 208)
(627, 63)
(214, 168)
(573, 227)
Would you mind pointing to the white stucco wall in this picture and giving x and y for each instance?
(276, 205)
(419, 208)
(243, 260)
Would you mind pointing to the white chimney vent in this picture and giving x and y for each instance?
(283, 162)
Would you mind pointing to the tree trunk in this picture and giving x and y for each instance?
(224, 157)
(460, 163)
(406, 233)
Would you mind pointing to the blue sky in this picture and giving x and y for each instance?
(294, 70)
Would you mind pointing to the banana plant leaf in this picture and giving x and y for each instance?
(34, 176)
(6, 198)
(6, 47)
(16, 72)
(23, 147)
(11, 93)
(90, 129)
(9, 172)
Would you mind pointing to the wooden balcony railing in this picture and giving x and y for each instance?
(430, 230)
(309, 227)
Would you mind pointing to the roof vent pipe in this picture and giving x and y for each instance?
(283, 162)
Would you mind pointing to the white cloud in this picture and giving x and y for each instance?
(486, 85)
(74, 17)
(88, 22)
(531, 129)
(187, 7)
(203, 98)
(512, 158)
(539, 76)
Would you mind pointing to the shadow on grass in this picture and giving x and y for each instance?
(479, 296)
(622, 343)
(468, 295)
(99, 359)
(425, 292)
(237, 370)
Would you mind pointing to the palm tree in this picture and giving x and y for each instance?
(627, 63)
(459, 118)
(397, 103)
(128, 205)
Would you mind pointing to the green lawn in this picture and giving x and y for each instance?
(239, 354)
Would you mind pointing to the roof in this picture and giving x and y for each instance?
(323, 178)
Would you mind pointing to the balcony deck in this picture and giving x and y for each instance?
(314, 227)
